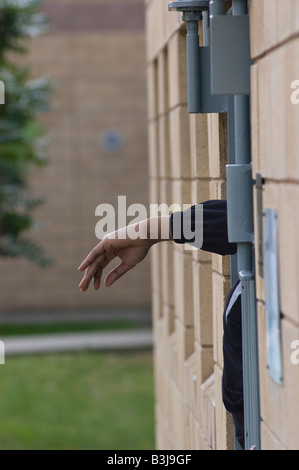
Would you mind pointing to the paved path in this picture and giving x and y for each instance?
(117, 340)
(139, 338)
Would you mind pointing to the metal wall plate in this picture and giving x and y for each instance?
(271, 276)
(239, 207)
(208, 102)
(230, 55)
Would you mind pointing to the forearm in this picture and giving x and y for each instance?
(158, 229)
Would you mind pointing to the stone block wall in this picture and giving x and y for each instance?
(275, 138)
(187, 158)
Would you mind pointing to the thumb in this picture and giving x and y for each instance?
(116, 273)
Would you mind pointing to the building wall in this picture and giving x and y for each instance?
(187, 158)
(275, 123)
(95, 53)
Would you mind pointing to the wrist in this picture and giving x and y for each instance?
(158, 229)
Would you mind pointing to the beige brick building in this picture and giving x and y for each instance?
(95, 54)
(93, 41)
(188, 155)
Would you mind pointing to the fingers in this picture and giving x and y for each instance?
(116, 273)
(95, 252)
(98, 275)
(96, 261)
(104, 250)
(84, 284)
(94, 270)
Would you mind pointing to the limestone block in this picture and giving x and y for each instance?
(221, 264)
(177, 69)
(162, 390)
(286, 19)
(279, 404)
(152, 91)
(162, 81)
(268, 440)
(153, 149)
(156, 278)
(181, 194)
(167, 278)
(200, 191)
(208, 422)
(217, 142)
(284, 197)
(204, 362)
(203, 303)
(204, 368)
(271, 23)
(178, 424)
(172, 356)
(183, 288)
(190, 387)
(172, 20)
(200, 442)
(199, 146)
(257, 33)
(154, 29)
(154, 191)
(164, 147)
(224, 422)
(279, 113)
(217, 189)
(199, 194)
(170, 318)
(289, 250)
(179, 143)
(185, 347)
(221, 287)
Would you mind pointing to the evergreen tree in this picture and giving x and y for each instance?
(22, 138)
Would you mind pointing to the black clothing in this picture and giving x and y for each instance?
(232, 379)
(215, 239)
(214, 227)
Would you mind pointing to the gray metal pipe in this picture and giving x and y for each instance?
(192, 13)
(240, 7)
(242, 129)
(246, 268)
(193, 61)
(217, 7)
(241, 230)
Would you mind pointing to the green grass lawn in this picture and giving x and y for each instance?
(77, 401)
(67, 327)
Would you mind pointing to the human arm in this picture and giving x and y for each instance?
(132, 250)
(131, 244)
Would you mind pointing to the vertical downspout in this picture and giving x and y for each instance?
(193, 60)
(240, 222)
(246, 266)
(232, 161)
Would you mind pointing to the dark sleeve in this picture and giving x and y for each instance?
(210, 218)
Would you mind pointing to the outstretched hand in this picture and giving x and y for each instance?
(131, 244)
(117, 244)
